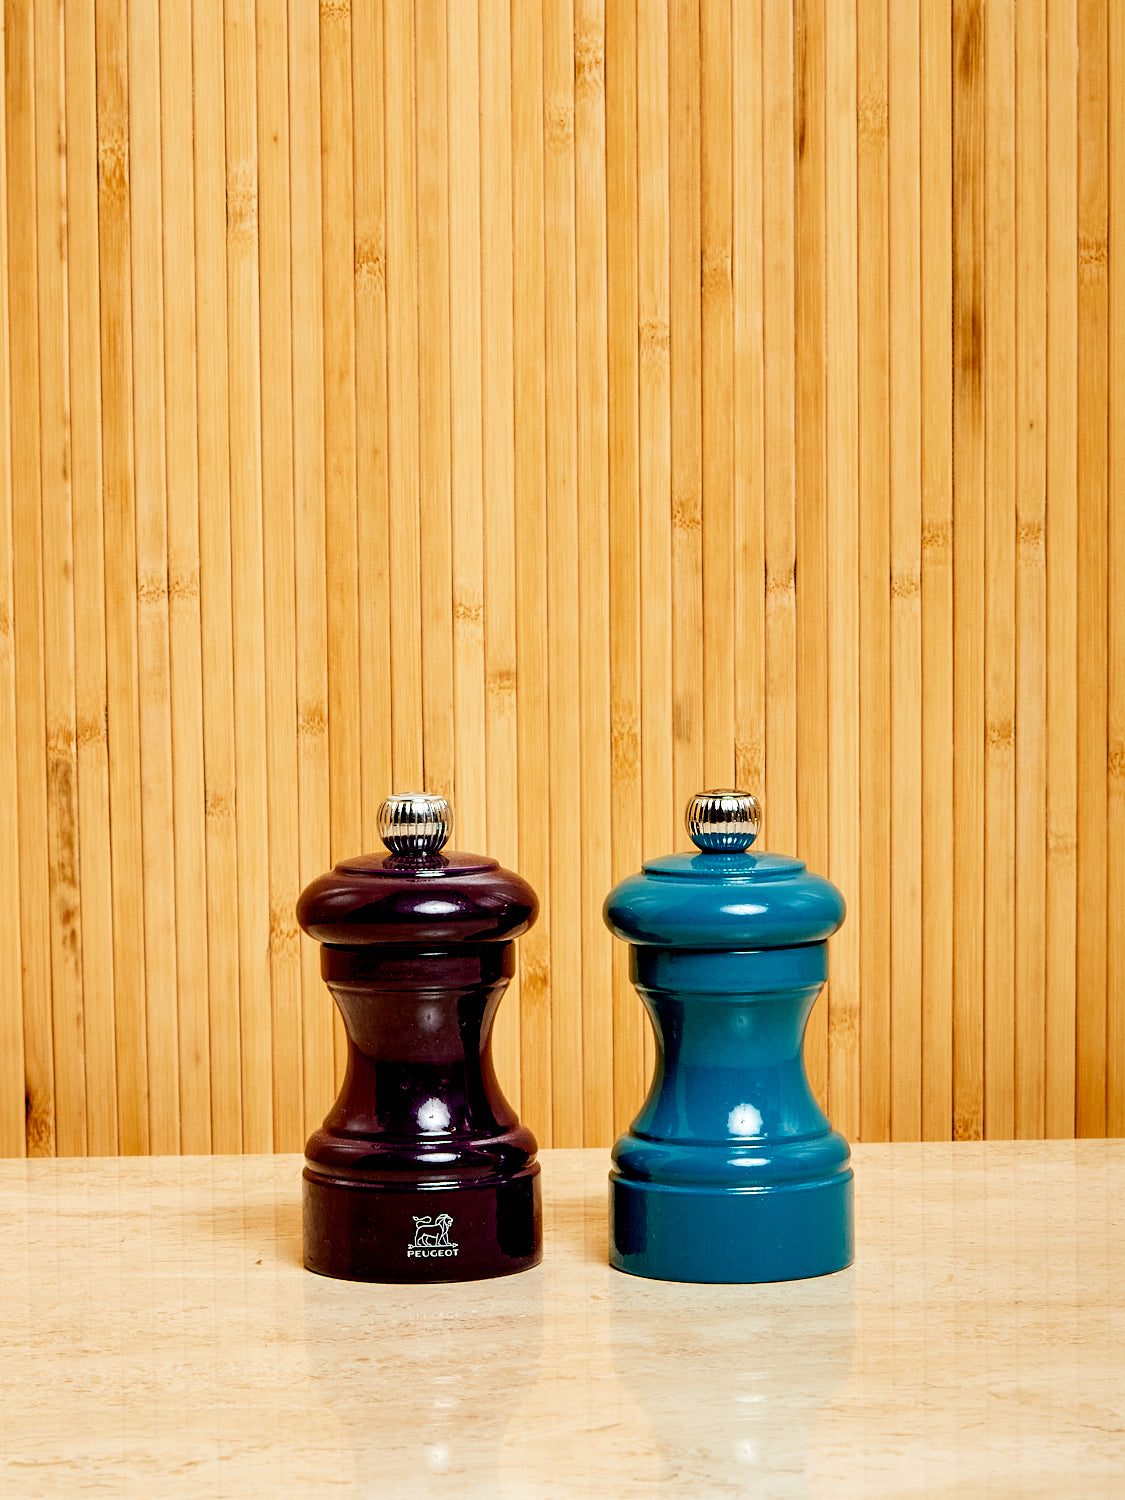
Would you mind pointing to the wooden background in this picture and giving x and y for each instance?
(564, 405)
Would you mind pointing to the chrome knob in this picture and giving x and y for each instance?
(723, 821)
(415, 823)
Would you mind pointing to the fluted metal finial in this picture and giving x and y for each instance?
(724, 821)
(416, 823)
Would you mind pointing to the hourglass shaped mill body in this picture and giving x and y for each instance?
(421, 1170)
(731, 1172)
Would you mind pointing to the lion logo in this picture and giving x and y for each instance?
(433, 1234)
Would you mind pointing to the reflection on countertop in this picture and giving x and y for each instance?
(161, 1339)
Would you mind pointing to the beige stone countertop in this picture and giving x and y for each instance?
(159, 1338)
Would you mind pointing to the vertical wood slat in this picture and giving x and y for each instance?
(1093, 564)
(12, 1095)
(841, 487)
(875, 570)
(1115, 830)
(312, 787)
(779, 822)
(89, 591)
(583, 419)
(431, 166)
(68, 1019)
(936, 67)
(747, 394)
(1031, 577)
(592, 394)
(118, 488)
(151, 585)
(685, 358)
(654, 418)
(811, 533)
(534, 797)
(622, 291)
(466, 461)
(376, 698)
(402, 396)
(345, 752)
(562, 542)
(278, 565)
(716, 251)
(215, 594)
(247, 572)
(1001, 385)
(905, 381)
(501, 750)
(968, 568)
(1062, 562)
(185, 643)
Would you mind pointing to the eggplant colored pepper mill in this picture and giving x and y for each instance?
(422, 1170)
(731, 1171)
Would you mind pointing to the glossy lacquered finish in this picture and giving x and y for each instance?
(421, 1170)
(731, 1172)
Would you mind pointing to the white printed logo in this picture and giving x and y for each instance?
(431, 1238)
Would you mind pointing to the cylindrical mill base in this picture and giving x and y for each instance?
(357, 1232)
(782, 1233)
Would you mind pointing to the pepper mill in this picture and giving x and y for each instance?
(421, 1171)
(731, 1172)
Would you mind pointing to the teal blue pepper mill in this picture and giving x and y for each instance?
(731, 1171)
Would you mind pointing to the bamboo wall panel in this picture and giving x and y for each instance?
(563, 405)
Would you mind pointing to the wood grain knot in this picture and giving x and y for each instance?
(183, 588)
(312, 721)
(1093, 259)
(781, 585)
(843, 1019)
(62, 740)
(558, 119)
(625, 746)
(871, 118)
(905, 585)
(1030, 540)
(683, 721)
(968, 44)
(284, 936)
(716, 276)
(39, 1129)
(152, 588)
(242, 202)
(1000, 735)
(62, 805)
(1062, 847)
(67, 915)
(91, 730)
(335, 10)
(589, 60)
(501, 684)
(219, 805)
(468, 611)
(370, 267)
(1115, 760)
(750, 762)
(655, 343)
(533, 975)
(113, 166)
(937, 540)
(968, 341)
(687, 515)
(967, 1125)
(5, 619)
